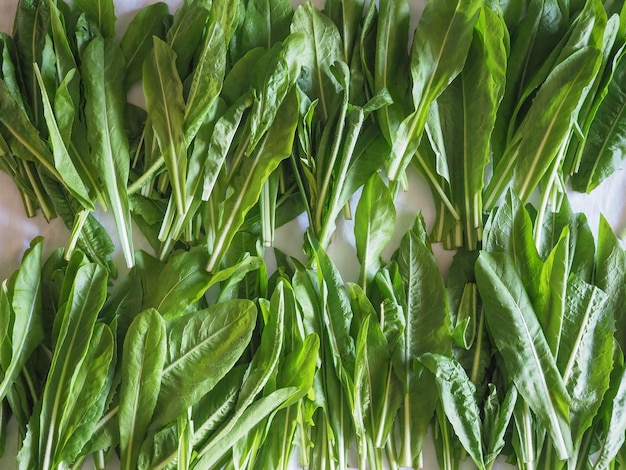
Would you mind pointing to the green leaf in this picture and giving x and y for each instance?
(163, 90)
(31, 27)
(322, 49)
(479, 90)
(143, 358)
(586, 354)
(261, 369)
(185, 34)
(206, 84)
(173, 287)
(273, 78)
(76, 325)
(248, 181)
(136, 43)
(103, 75)
(202, 347)
(211, 454)
(551, 116)
(373, 227)
(391, 63)
(439, 50)
(614, 433)
(62, 160)
(510, 230)
(89, 392)
(546, 126)
(221, 140)
(63, 52)
(458, 399)
(22, 326)
(497, 417)
(534, 39)
(337, 312)
(265, 23)
(427, 330)
(610, 276)
(518, 336)
(101, 12)
(550, 303)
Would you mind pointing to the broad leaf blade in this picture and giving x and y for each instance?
(101, 12)
(24, 299)
(374, 223)
(142, 367)
(518, 336)
(202, 348)
(586, 356)
(457, 395)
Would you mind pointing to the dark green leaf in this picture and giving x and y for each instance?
(136, 43)
(142, 368)
(457, 394)
(518, 336)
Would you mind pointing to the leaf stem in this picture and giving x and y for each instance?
(146, 176)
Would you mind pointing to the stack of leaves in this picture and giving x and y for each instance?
(253, 113)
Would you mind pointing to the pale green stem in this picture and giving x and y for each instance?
(146, 176)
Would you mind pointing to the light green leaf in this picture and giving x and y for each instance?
(247, 183)
(206, 84)
(163, 90)
(62, 160)
(440, 47)
(202, 347)
(103, 75)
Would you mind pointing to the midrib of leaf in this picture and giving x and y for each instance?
(537, 155)
(200, 345)
(605, 143)
(268, 24)
(138, 49)
(386, 41)
(383, 418)
(407, 451)
(553, 418)
(577, 344)
(466, 158)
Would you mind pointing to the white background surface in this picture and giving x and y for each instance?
(16, 230)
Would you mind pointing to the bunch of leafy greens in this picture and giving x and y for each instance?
(256, 112)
